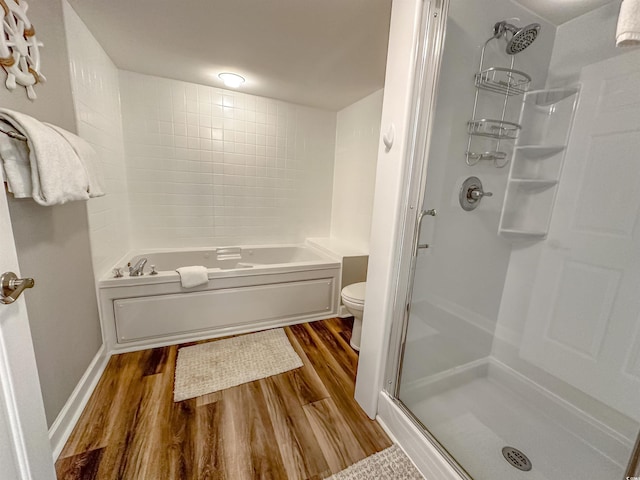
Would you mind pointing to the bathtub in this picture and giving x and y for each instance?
(249, 288)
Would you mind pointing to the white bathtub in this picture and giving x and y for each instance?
(249, 288)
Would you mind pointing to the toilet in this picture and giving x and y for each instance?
(353, 299)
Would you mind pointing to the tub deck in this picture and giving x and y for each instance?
(249, 289)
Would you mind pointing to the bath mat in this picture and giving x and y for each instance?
(213, 366)
(389, 464)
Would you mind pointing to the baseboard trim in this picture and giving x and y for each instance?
(210, 334)
(68, 417)
(387, 430)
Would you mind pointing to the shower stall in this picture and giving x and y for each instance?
(515, 344)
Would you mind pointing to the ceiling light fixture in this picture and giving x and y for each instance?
(231, 80)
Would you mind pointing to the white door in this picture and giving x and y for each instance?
(25, 451)
(583, 325)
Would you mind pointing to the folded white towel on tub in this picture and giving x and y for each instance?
(628, 31)
(193, 276)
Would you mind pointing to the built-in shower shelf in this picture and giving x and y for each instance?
(529, 183)
(504, 81)
(546, 118)
(546, 98)
(523, 234)
(537, 162)
(538, 151)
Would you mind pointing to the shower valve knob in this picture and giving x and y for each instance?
(477, 194)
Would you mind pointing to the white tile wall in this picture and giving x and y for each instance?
(208, 166)
(96, 97)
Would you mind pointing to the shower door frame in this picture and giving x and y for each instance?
(427, 75)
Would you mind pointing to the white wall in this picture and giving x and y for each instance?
(387, 217)
(53, 242)
(567, 60)
(208, 166)
(96, 98)
(581, 42)
(357, 136)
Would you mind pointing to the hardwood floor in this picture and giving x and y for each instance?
(302, 424)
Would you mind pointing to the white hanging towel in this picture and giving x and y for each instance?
(88, 157)
(56, 173)
(14, 156)
(193, 276)
(628, 31)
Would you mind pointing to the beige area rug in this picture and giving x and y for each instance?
(213, 366)
(389, 464)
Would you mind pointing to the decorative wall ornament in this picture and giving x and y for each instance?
(19, 48)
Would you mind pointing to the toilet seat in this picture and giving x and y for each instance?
(354, 293)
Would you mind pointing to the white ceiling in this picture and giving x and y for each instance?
(561, 11)
(323, 53)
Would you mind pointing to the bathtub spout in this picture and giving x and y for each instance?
(138, 268)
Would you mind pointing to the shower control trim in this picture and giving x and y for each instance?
(471, 193)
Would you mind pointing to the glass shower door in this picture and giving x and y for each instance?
(521, 356)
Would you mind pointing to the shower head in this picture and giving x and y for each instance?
(520, 39)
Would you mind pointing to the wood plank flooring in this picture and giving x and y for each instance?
(302, 424)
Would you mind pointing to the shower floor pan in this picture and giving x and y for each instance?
(477, 413)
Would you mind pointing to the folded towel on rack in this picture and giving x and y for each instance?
(56, 174)
(193, 276)
(88, 157)
(14, 154)
(628, 30)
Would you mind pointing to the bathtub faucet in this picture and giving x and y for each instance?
(138, 268)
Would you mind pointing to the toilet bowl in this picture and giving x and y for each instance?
(353, 299)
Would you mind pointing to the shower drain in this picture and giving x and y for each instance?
(516, 458)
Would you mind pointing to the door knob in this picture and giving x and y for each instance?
(11, 287)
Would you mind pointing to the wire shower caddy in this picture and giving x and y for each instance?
(502, 81)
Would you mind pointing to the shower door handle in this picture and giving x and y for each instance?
(431, 212)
